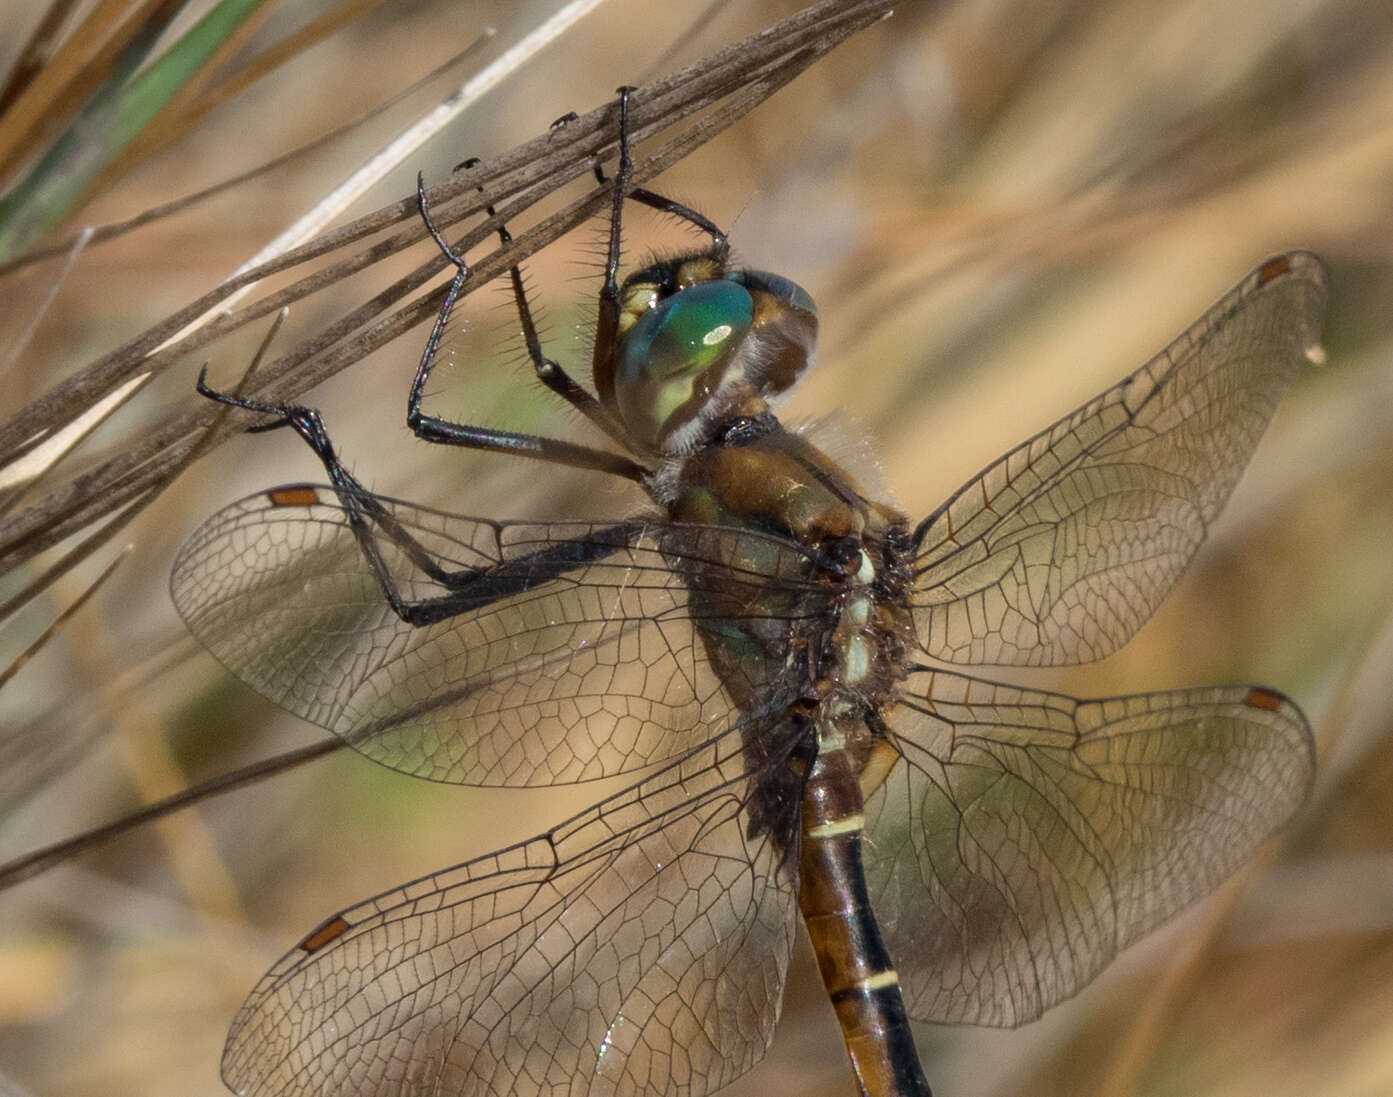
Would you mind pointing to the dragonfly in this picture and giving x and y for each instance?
(774, 656)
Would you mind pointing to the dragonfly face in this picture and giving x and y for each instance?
(700, 346)
(775, 651)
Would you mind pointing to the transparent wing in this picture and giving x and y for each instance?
(1023, 838)
(1061, 550)
(638, 949)
(546, 653)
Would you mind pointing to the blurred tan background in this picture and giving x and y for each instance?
(1001, 206)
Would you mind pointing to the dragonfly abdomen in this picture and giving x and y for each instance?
(856, 967)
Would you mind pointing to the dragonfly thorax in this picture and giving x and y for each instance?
(698, 343)
(784, 491)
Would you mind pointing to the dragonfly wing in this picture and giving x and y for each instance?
(551, 653)
(1023, 837)
(1061, 550)
(638, 949)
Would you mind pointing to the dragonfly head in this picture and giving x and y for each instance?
(698, 343)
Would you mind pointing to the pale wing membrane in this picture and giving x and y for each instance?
(1023, 838)
(567, 651)
(638, 949)
(1061, 550)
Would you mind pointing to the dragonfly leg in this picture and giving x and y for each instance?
(445, 432)
(362, 508)
(549, 371)
(646, 197)
(663, 204)
(607, 318)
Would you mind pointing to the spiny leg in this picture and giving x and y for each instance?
(663, 204)
(467, 589)
(607, 318)
(548, 370)
(445, 432)
(359, 504)
(646, 197)
(607, 313)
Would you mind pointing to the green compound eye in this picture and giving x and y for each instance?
(671, 346)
